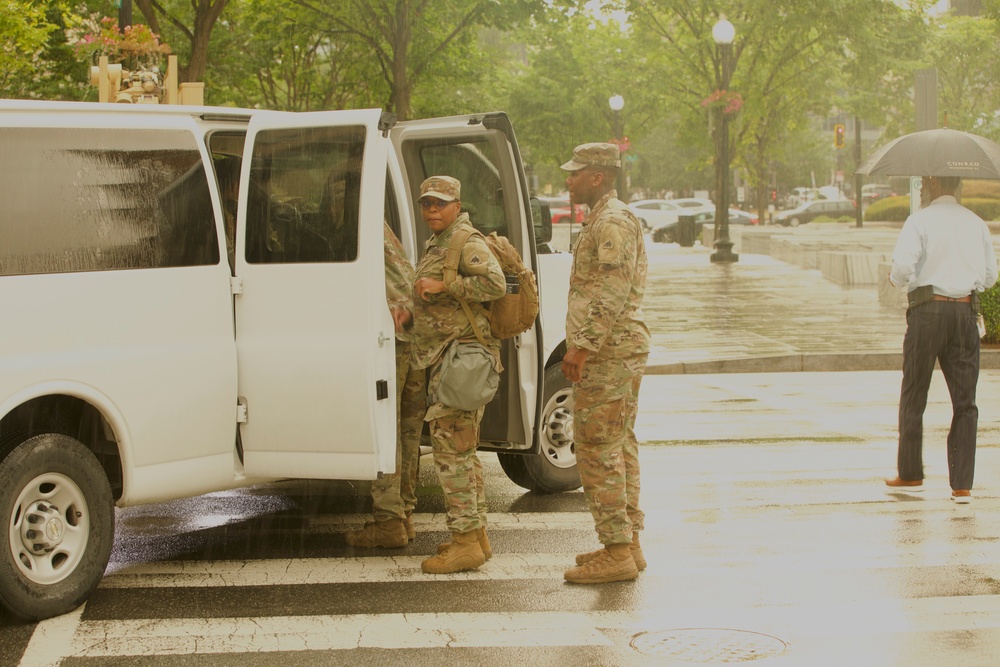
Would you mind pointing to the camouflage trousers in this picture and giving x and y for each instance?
(607, 454)
(454, 438)
(394, 496)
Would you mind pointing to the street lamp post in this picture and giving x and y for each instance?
(617, 103)
(723, 33)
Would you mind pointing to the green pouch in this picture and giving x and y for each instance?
(467, 378)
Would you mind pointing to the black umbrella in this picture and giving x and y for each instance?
(941, 152)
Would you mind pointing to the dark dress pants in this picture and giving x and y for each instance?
(946, 332)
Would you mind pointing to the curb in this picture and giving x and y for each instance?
(808, 363)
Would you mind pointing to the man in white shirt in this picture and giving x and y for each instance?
(944, 257)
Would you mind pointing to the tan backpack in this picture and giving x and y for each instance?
(515, 311)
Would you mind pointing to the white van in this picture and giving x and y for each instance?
(138, 365)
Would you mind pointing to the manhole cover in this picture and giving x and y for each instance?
(708, 645)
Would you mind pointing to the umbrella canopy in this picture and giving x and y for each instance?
(941, 152)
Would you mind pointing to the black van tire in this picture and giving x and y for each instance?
(54, 482)
(553, 469)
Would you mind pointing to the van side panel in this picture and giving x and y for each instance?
(111, 283)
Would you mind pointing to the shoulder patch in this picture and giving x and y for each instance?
(609, 245)
(475, 257)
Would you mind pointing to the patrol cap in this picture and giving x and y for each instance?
(444, 188)
(594, 155)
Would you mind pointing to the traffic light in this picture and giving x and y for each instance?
(838, 135)
(774, 195)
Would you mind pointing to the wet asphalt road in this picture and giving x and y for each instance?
(769, 538)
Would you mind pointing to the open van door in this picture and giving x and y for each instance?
(314, 336)
(529, 422)
(481, 152)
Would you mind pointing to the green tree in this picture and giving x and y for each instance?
(788, 57)
(411, 38)
(574, 62)
(287, 61)
(966, 52)
(24, 33)
(187, 27)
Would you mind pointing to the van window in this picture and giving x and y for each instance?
(473, 164)
(102, 199)
(304, 195)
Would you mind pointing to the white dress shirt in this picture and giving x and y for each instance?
(947, 246)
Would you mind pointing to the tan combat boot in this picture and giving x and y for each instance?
(463, 553)
(615, 563)
(640, 560)
(387, 533)
(411, 533)
(484, 544)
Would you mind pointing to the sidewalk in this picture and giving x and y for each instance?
(762, 314)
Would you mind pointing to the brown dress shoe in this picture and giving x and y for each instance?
(905, 484)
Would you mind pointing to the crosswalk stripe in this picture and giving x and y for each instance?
(505, 567)
(200, 574)
(97, 639)
(436, 521)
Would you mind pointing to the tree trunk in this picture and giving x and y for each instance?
(207, 13)
(402, 86)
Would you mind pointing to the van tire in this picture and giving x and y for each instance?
(553, 469)
(55, 480)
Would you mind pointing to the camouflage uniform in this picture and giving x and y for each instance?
(607, 283)
(437, 321)
(394, 496)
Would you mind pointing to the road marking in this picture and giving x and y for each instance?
(97, 639)
(497, 521)
(508, 567)
(51, 638)
(300, 571)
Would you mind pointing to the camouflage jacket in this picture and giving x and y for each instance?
(440, 319)
(398, 276)
(607, 283)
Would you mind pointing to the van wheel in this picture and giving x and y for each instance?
(553, 469)
(794, 222)
(60, 518)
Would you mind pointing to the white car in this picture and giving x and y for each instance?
(139, 366)
(694, 205)
(654, 213)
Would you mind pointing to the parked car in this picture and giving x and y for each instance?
(694, 204)
(811, 210)
(799, 196)
(738, 217)
(655, 213)
(563, 211)
(872, 192)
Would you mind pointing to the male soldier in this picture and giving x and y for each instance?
(607, 346)
(394, 496)
(439, 319)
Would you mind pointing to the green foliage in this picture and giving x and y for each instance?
(826, 218)
(991, 314)
(897, 209)
(981, 189)
(964, 51)
(987, 209)
(289, 62)
(24, 32)
(889, 209)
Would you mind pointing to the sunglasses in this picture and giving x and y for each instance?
(430, 203)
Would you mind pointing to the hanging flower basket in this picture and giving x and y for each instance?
(729, 102)
(135, 47)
